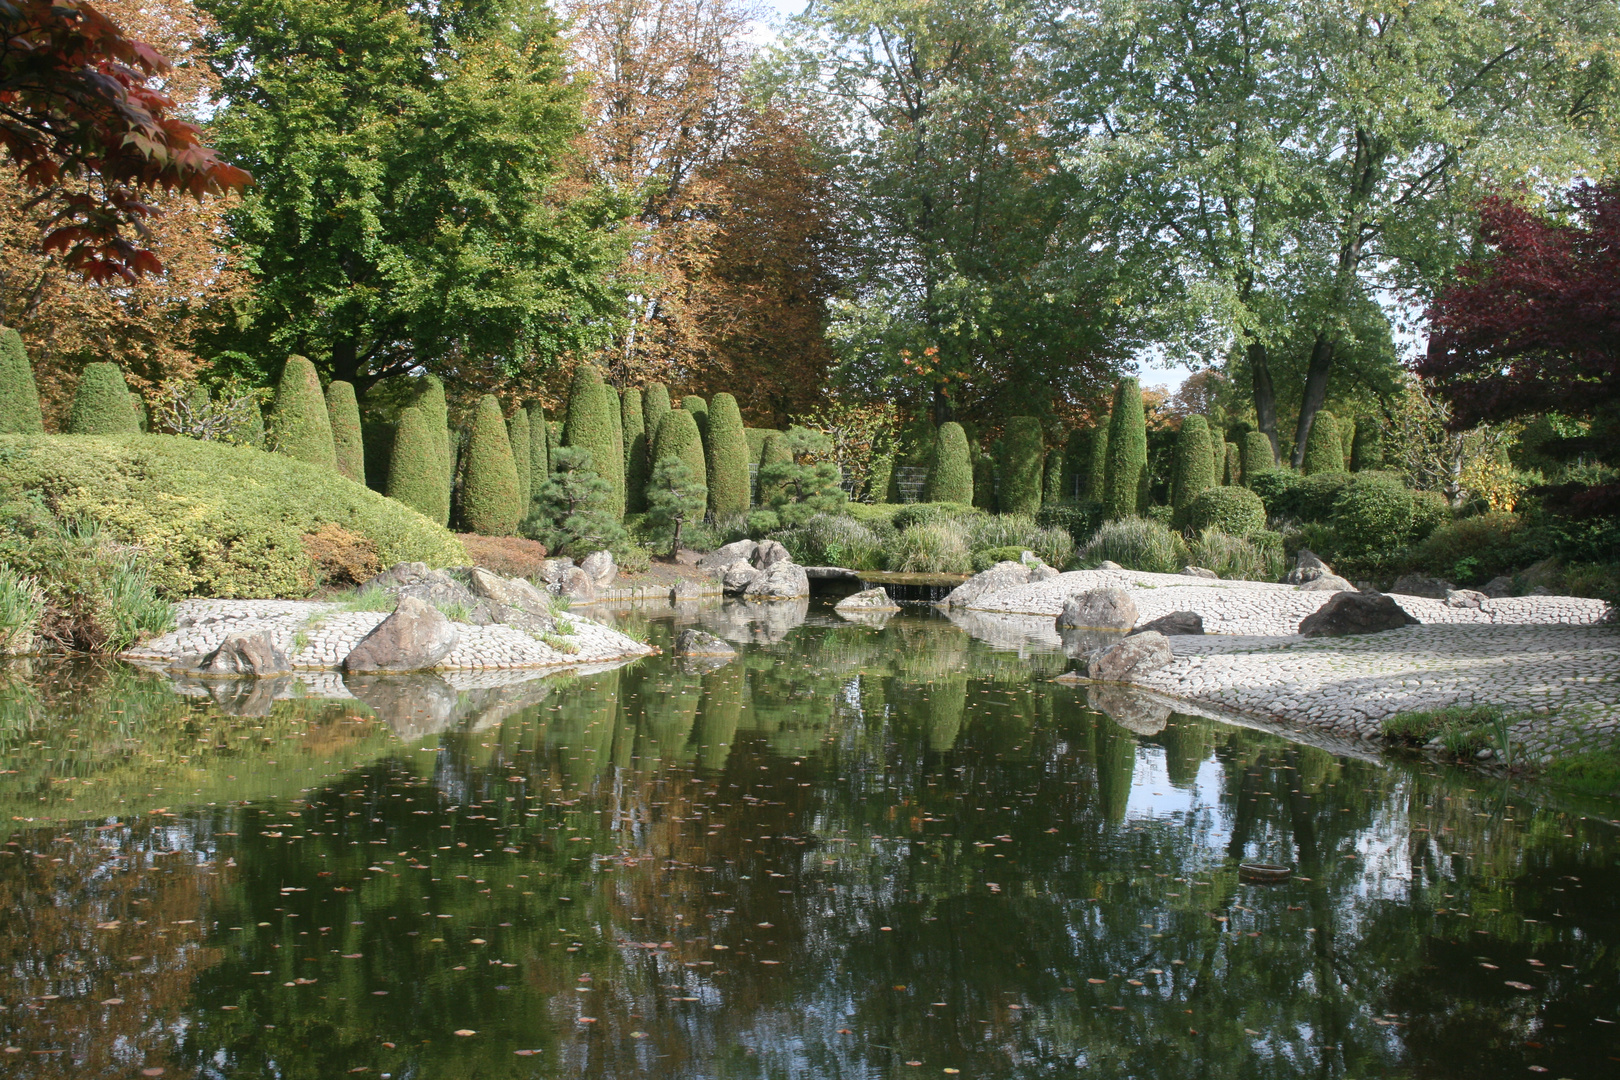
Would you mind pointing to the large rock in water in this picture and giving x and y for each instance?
(781, 581)
(1003, 575)
(1355, 613)
(411, 705)
(1308, 566)
(1099, 609)
(1175, 624)
(1130, 709)
(867, 600)
(1133, 657)
(690, 642)
(246, 654)
(414, 638)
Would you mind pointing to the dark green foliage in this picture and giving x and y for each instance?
(727, 458)
(1125, 485)
(1217, 455)
(19, 396)
(801, 486)
(1097, 464)
(101, 405)
(675, 499)
(1080, 519)
(1023, 460)
(437, 414)
(1258, 456)
(950, 478)
(700, 412)
(414, 476)
(1194, 467)
(613, 468)
(1232, 474)
(756, 441)
(633, 419)
(522, 447)
(1347, 438)
(1274, 487)
(1235, 511)
(1324, 450)
(539, 449)
(654, 404)
(590, 427)
(1052, 481)
(343, 414)
(1430, 511)
(1367, 449)
(678, 437)
(489, 484)
(772, 452)
(573, 510)
(1076, 464)
(984, 481)
(1372, 517)
(299, 426)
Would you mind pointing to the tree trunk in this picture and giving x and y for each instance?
(1265, 395)
(346, 362)
(1316, 387)
(943, 413)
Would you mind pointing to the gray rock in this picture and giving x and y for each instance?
(1432, 588)
(763, 623)
(1465, 598)
(831, 573)
(512, 600)
(553, 571)
(575, 584)
(691, 642)
(722, 557)
(768, 554)
(867, 600)
(684, 592)
(876, 618)
(414, 638)
(1355, 613)
(737, 577)
(1079, 644)
(781, 581)
(1498, 587)
(1098, 609)
(1132, 657)
(428, 585)
(241, 654)
(600, 566)
(412, 705)
(1042, 572)
(248, 697)
(1175, 624)
(1135, 712)
(1308, 566)
(1199, 572)
(1003, 575)
(1109, 564)
(1327, 583)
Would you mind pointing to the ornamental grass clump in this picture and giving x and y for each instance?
(1136, 544)
(19, 394)
(833, 540)
(935, 547)
(1256, 557)
(102, 405)
(22, 602)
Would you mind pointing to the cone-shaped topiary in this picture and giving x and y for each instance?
(19, 394)
(1023, 459)
(1217, 454)
(489, 484)
(590, 427)
(678, 437)
(437, 415)
(726, 454)
(343, 413)
(414, 475)
(700, 412)
(613, 471)
(1125, 484)
(101, 405)
(1194, 469)
(1233, 473)
(1367, 450)
(1324, 451)
(1052, 484)
(539, 449)
(1258, 456)
(299, 426)
(654, 404)
(636, 469)
(950, 475)
(774, 451)
(1097, 465)
(518, 430)
(984, 481)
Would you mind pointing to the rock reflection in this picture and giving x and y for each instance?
(1130, 709)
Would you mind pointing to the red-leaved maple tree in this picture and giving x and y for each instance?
(89, 130)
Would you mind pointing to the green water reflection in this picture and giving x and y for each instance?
(855, 851)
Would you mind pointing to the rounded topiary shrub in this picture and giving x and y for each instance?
(950, 476)
(343, 413)
(19, 394)
(1023, 462)
(1217, 457)
(489, 485)
(414, 475)
(1311, 498)
(1258, 456)
(1367, 448)
(700, 412)
(1324, 448)
(101, 405)
(590, 427)
(727, 458)
(1194, 471)
(654, 404)
(636, 468)
(678, 437)
(517, 429)
(1372, 518)
(1273, 487)
(437, 415)
(1125, 485)
(299, 426)
(1235, 511)
(1233, 472)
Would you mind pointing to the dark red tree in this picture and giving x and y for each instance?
(87, 129)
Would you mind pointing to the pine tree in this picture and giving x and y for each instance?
(1023, 458)
(726, 455)
(678, 438)
(518, 429)
(573, 510)
(1367, 450)
(343, 414)
(805, 484)
(489, 484)
(774, 452)
(1324, 451)
(19, 395)
(414, 475)
(1258, 455)
(636, 469)
(950, 477)
(1125, 484)
(102, 406)
(1194, 469)
(675, 499)
(1097, 465)
(437, 414)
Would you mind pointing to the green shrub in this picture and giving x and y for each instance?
(1217, 458)
(573, 511)
(654, 407)
(1097, 465)
(101, 405)
(1076, 464)
(1258, 557)
(936, 547)
(1347, 439)
(833, 540)
(756, 523)
(1023, 461)
(299, 426)
(414, 477)
(1430, 511)
(1258, 456)
(637, 465)
(1367, 448)
(700, 412)
(613, 468)
(1324, 449)
(518, 434)
(589, 427)
(1079, 520)
(1194, 471)
(539, 449)
(984, 482)
(675, 499)
(1232, 472)
(437, 414)
(1372, 518)
(343, 414)
(909, 514)
(1472, 550)
(1234, 511)
(950, 475)
(1164, 515)
(1125, 484)
(985, 558)
(1304, 498)
(726, 454)
(19, 395)
(489, 486)
(806, 483)
(1052, 481)
(677, 437)
(756, 441)
(22, 602)
(774, 452)
(1136, 544)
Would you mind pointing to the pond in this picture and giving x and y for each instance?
(854, 851)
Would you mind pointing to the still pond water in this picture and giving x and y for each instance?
(853, 852)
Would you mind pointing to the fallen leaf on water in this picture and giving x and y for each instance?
(587, 1019)
(465, 1031)
(1519, 985)
(1096, 982)
(113, 1001)
(152, 1072)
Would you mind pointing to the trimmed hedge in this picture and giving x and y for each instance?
(773, 451)
(678, 437)
(1194, 467)
(984, 482)
(102, 406)
(1372, 517)
(726, 455)
(414, 476)
(210, 519)
(19, 395)
(756, 437)
(614, 472)
(1097, 465)
(1324, 449)
(437, 412)
(700, 412)
(1258, 456)
(539, 448)
(1125, 483)
(1076, 461)
(1367, 448)
(590, 427)
(298, 423)
(522, 447)
(343, 413)
(654, 406)
(1217, 454)
(489, 484)
(1232, 474)
(1235, 511)
(633, 420)
(1052, 482)
(1023, 459)
(950, 477)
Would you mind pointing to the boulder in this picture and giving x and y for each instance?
(1199, 572)
(1498, 587)
(1098, 609)
(510, 600)
(867, 600)
(1042, 572)
(1109, 564)
(875, 618)
(722, 557)
(428, 585)
(1003, 575)
(1355, 613)
(1133, 657)
(685, 592)
(1079, 644)
(1432, 588)
(1308, 566)
(575, 584)
(1327, 583)
(690, 642)
(781, 581)
(737, 577)
(768, 554)
(1175, 624)
(831, 573)
(1546, 574)
(241, 654)
(552, 571)
(414, 638)
(1465, 598)
(249, 697)
(1131, 710)
(600, 566)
